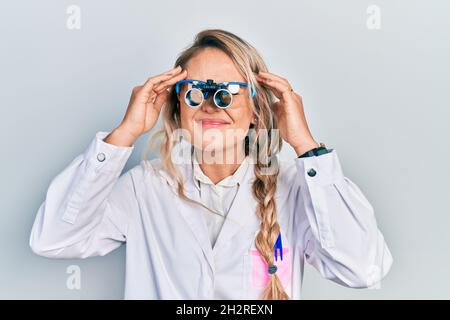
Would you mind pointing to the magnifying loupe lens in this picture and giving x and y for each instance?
(223, 98)
(194, 97)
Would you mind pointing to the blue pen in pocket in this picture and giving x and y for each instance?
(278, 246)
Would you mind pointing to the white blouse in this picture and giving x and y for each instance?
(91, 208)
(219, 197)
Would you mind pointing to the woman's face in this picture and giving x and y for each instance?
(201, 122)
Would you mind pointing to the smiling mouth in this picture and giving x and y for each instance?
(212, 123)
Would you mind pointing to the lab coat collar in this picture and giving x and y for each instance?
(242, 210)
(230, 181)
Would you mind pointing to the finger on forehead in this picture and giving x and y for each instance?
(155, 80)
(272, 76)
(277, 85)
(171, 81)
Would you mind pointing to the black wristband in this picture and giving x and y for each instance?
(316, 151)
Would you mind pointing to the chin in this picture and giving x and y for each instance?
(210, 145)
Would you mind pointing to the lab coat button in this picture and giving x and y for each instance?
(101, 157)
(311, 172)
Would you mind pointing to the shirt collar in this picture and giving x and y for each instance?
(230, 181)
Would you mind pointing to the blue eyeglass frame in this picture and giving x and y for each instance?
(222, 85)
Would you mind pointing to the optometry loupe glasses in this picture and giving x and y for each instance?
(198, 91)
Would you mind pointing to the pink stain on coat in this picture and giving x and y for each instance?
(260, 274)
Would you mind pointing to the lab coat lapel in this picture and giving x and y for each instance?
(193, 216)
(242, 209)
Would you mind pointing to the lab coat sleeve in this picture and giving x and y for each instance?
(87, 206)
(337, 224)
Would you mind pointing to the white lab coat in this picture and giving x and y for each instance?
(91, 209)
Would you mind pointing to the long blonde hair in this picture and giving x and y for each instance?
(248, 61)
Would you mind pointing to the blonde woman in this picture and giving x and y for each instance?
(214, 217)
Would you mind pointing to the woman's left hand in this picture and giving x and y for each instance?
(289, 110)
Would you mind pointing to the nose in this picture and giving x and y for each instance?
(209, 106)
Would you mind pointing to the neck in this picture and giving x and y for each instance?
(221, 164)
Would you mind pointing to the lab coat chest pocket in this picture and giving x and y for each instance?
(256, 276)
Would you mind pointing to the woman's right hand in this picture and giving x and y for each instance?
(145, 106)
